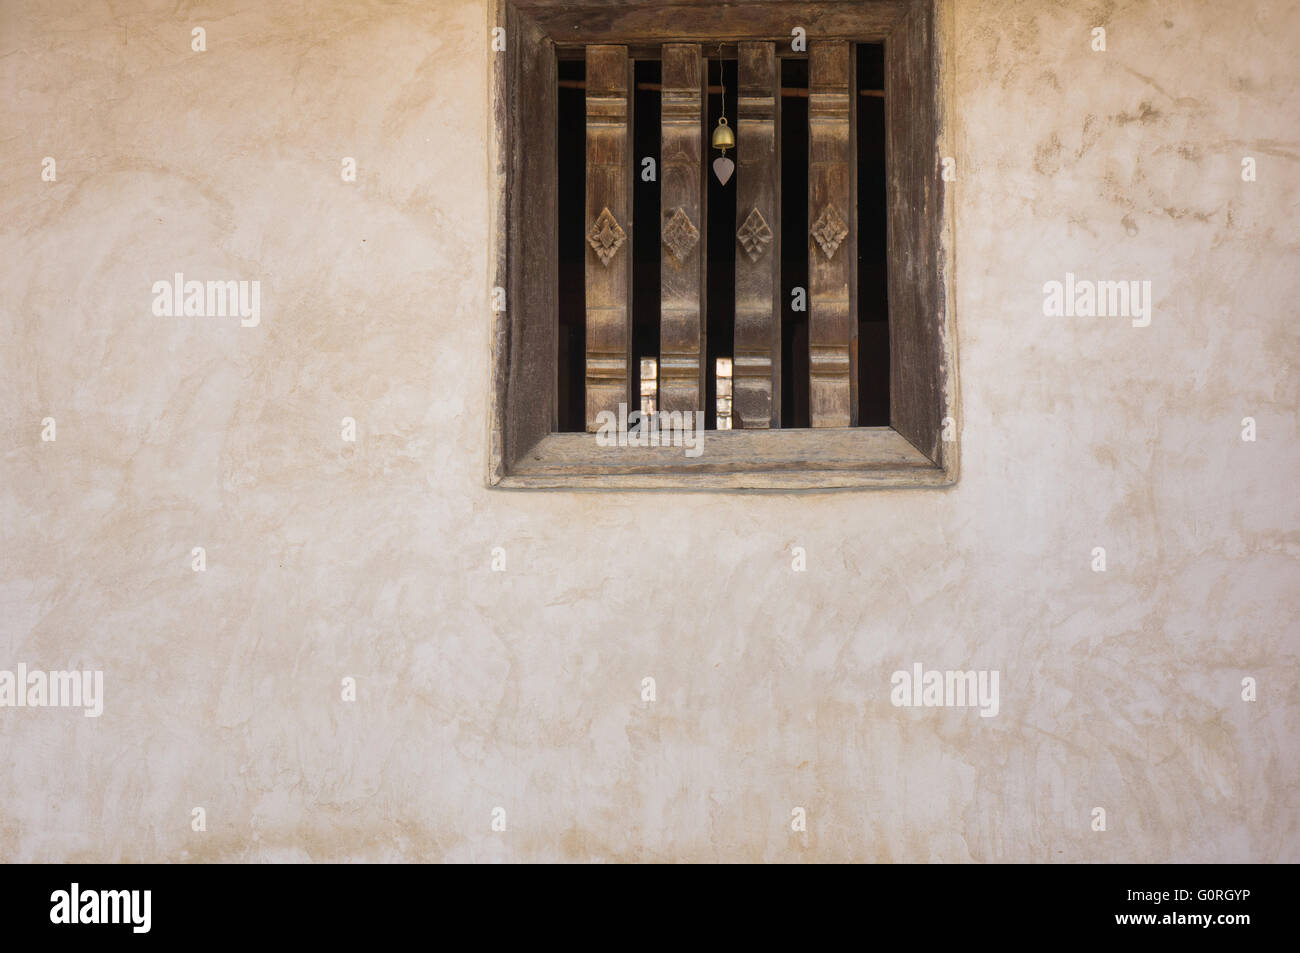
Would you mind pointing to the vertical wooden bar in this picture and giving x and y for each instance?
(609, 231)
(918, 397)
(681, 182)
(832, 251)
(757, 368)
(527, 330)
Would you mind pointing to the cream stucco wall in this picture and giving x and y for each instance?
(522, 689)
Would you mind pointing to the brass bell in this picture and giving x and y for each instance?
(723, 137)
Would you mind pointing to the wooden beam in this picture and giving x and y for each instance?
(733, 460)
(757, 369)
(711, 22)
(609, 232)
(832, 246)
(787, 92)
(524, 389)
(917, 358)
(682, 258)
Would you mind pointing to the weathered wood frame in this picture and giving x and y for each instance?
(524, 452)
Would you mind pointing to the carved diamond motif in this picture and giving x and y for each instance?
(680, 235)
(829, 230)
(755, 235)
(606, 237)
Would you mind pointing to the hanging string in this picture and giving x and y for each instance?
(722, 82)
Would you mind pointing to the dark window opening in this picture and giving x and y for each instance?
(571, 111)
(720, 205)
(794, 243)
(646, 224)
(873, 300)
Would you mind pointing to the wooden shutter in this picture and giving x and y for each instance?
(757, 368)
(832, 251)
(682, 255)
(609, 231)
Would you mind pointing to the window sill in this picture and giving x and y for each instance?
(732, 459)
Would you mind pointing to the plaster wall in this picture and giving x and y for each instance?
(522, 689)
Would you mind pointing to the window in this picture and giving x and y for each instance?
(797, 296)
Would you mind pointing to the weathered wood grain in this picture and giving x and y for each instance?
(682, 326)
(499, 164)
(916, 300)
(733, 459)
(530, 336)
(609, 231)
(757, 369)
(832, 241)
(709, 23)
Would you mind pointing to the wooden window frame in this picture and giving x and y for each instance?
(524, 452)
